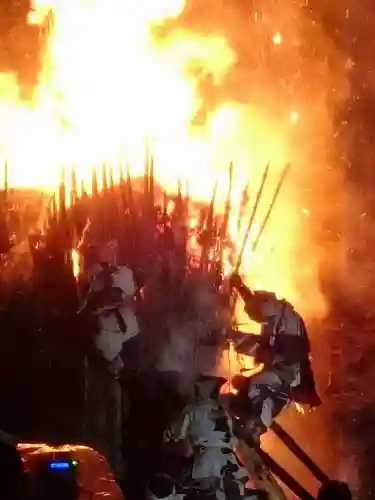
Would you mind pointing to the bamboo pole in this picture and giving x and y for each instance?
(208, 233)
(130, 193)
(284, 173)
(111, 179)
(6, 179)
(243, 205)
(94, 184)
(152, 184)
(62, 195)
(146, 178)
(104, 177)
(283, 475)
(83, 189)
(294, 447)
(225, 224)
(73, 188)
(252, 217)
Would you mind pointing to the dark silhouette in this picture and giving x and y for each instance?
(334, 490)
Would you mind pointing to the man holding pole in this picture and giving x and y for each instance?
(282, 348)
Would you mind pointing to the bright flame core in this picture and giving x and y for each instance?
(108, 84)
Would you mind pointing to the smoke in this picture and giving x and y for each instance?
(179, 355)
(183, 353)
(286, 77)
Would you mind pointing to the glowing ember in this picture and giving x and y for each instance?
(277, 39)
(299, 408)
(294, 116)
(76, 263)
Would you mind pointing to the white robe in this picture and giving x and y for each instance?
(198, 424)
(110, 338)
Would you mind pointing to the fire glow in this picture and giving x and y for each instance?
(109, 84)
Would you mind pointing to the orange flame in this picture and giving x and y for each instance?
(108, 84)
(75, 263)
(299, 408)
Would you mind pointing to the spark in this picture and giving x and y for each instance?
(299, 408)
(294, 116)
(75, 263)
(277, 38)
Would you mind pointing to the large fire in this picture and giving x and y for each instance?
(112, 80)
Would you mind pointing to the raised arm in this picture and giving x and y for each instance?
(244, 343)
(253, 302)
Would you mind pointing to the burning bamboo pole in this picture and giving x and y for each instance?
(187, 196)
(130, 193)
(148, 194)
(6, 179)
(179, 206)
(73, 188)
(4, 229)
(53, 211)
(179, 191)
(284, 173)
(104, 178)
(252, 217)
(146, 179)
(111, 181)
(248, 229)
(245, 199)
(83, 189)
(122, 197)
(165, 202)
(152, 184)
(94, 184)
(207, 235)
(62, 196)
(225, 224)
(121, 172)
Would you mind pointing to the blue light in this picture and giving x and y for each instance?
(59, 465)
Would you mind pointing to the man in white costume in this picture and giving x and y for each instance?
(282, 347)
(207, 427)
(110, 302)
(110, 298)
